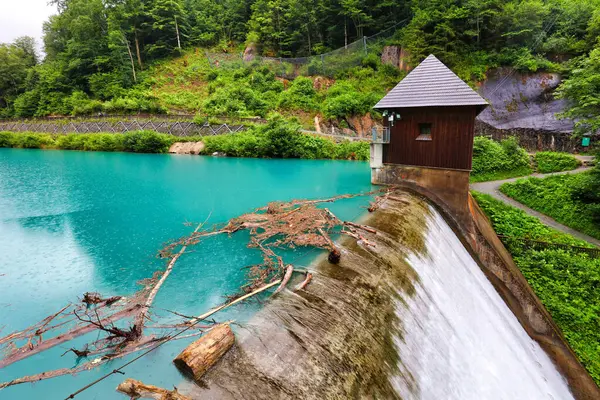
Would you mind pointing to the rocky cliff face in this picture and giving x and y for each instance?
(523, 100)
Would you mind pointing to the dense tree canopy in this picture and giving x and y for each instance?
(100, 49)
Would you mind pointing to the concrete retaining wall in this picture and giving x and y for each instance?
(535, 139)
(447, 188)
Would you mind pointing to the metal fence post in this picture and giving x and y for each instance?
(365, 44)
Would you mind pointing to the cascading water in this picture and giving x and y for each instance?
(410, 316)
(460, 340)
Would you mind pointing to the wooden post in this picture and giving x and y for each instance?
(202, 354)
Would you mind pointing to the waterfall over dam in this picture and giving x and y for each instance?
(460, 340)
(411, 316)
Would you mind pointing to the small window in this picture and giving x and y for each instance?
(424, 132)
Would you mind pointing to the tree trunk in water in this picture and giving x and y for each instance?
(136, 389)
(199, 356)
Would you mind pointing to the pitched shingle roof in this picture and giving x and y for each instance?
(431, 83)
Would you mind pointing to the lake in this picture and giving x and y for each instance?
(74, 222)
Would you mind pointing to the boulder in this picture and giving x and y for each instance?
(186, 148)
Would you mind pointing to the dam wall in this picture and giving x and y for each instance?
(448, 190)
(406, 314)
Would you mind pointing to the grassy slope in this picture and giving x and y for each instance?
(548, 161)
(184, 84)
(566, 282)
(180, 84)
(553, 196)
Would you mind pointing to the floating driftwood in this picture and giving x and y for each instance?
(202, 354)
(136, 390)
(305, 282)
(279, 225)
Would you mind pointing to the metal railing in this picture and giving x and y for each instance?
(380, 135)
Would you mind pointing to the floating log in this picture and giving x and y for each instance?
(202, 354)
(136, 389)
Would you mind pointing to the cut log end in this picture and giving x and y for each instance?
(202, 354)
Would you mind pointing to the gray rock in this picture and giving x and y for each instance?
(523, 100)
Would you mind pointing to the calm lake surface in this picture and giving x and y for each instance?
(72, 222)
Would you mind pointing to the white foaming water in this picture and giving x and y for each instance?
(460, 340)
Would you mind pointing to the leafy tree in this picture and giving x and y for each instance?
(582, 89)
(166, 27)
(15, 61)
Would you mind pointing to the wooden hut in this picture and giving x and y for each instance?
(429, 120)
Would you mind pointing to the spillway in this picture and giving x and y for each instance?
(413, 318)
(460, 340)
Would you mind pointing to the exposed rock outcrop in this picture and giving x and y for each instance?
(396, 56)
(523, 100)
(186, 148)
(250, 52)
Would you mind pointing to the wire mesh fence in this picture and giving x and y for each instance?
(176, 128)
(326, 64)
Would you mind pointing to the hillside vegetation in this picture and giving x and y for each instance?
(498, 160)
(279, 138)
(559, 197)
(116, 56)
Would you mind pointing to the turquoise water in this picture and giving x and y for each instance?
(72, 222)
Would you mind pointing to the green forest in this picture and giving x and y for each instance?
(103, 55)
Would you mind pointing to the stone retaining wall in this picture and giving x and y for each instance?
(535, 139)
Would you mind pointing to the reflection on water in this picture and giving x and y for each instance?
(460, 341)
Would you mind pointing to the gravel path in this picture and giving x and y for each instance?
(492, 188)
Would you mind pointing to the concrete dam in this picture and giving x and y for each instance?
(412, 317)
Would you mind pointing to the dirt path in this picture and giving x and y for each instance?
(492, 188)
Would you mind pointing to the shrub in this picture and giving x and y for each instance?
(33, 140)
(26, 104)
(371, 60)
(300, 96)
(240, 101)
(549, 161)
(356, 150)
(348, 104)
(71, 141)
(80, 104)
(103, 142)
(281, 138)
(493, 160)
(557, 197)
(6, 139)
(147, 142)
